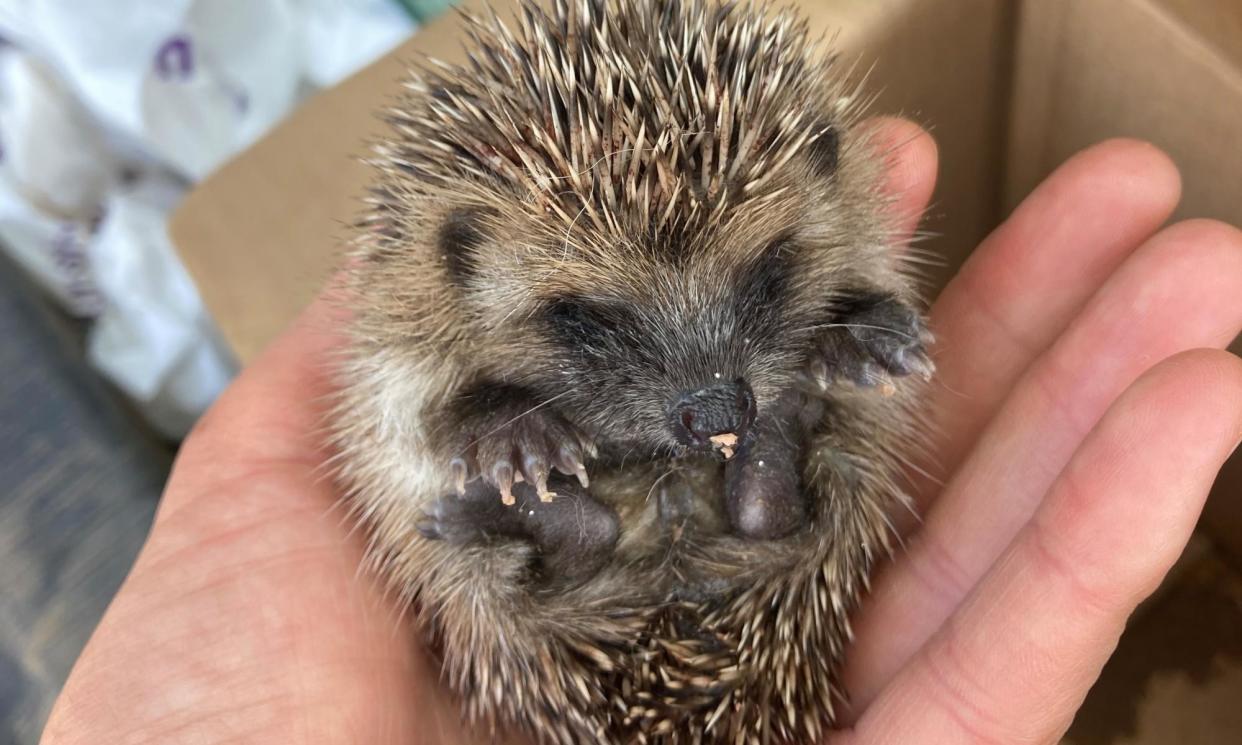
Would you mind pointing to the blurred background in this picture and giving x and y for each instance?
(174, 180)
(110, 112)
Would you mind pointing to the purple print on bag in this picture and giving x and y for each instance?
(69, 255)
(241, 99)
(175, 58)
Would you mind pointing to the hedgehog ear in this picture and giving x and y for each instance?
(824, 150)
(459, 237)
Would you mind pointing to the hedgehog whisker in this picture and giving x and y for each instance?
(661, 478)
(568, 231)
(821, 327)
(529, 411)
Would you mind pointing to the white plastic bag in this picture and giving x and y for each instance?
(53, 251)
(153, 338)
(55, 169)
(340, 36)
(53, 150)
(194, 81)
(109, 111)
(198, 80)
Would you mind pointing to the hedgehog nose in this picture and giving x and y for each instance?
(714, 412)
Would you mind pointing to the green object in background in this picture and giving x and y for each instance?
(423, 11)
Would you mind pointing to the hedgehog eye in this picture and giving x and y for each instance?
(580, 322)
(459, 237)
(824, 150)
(765, 282)
(573, 317)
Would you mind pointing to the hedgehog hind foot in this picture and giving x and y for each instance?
(879, 337)
(764, 498)
(573, 534)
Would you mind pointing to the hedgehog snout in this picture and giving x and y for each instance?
(713, 418)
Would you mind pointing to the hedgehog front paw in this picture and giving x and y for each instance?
(516, 443)
(874, 342)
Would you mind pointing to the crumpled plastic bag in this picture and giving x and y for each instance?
(153, 338)
(339, 36)
(52, 146)
(197, 80)
(52, 250)
(109, 112)
(55, 170)
(191, 80)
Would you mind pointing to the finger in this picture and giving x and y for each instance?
(1028, 279)
(1017, 659)
(910, 157)
(1182, 290)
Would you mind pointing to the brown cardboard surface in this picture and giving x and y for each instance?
(1168, 71)
(1087, 71)
(945, 65)
(1223, 518)
(261, 235)
(1218, 23)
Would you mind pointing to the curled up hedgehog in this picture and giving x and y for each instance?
(632, 369)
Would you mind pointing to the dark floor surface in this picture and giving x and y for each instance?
(79, 480)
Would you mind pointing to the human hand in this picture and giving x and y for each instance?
(1080, 436)
(1075, 484)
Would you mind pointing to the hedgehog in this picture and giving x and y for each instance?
(633, 367)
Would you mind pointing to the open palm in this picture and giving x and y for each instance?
(1078, 434)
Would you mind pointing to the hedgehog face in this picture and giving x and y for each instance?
(694, 353)
(657, 343)
(651, 244)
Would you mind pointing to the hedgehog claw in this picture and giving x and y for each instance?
(569, 463)
(542, 490)
(461, 474)
(922, 366)
(503, 479)
(873, 376)
(535, 470)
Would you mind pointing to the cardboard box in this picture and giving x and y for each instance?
(1168, 71)
(261, 234)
